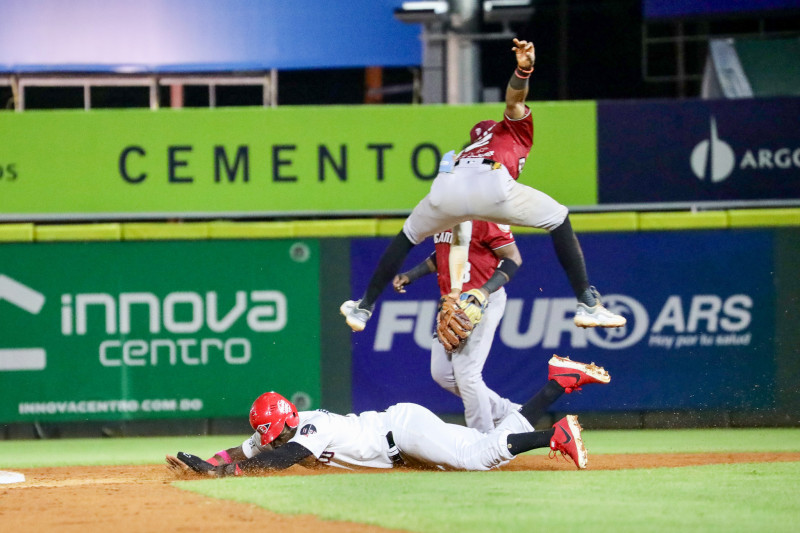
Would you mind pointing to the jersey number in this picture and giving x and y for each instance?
(325, 457)
(466, 275)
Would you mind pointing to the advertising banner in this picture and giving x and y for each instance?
(137, 330)
(256, 161)
(699, 335)
(698, 150)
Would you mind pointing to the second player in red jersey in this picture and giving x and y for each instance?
(462, 371)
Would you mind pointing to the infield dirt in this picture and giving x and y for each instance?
(141, 498)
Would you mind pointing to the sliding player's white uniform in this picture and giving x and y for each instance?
(419, 435)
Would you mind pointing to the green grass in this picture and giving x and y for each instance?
(732, 498)
(151, 450)
(742, 497)
(116, 451)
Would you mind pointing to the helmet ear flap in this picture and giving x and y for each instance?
(263, 429)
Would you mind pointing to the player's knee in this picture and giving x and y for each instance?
(411, 235)
(445, 379)
(558, 219)
(469, 381)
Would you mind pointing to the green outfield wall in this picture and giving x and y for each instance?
(255, 161)
(157, 329)
(145, 322)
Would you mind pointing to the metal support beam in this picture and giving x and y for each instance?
(463, 66)
(271, 89)
(155, 100)
(19, 97)
(434, 59)
(451, 36)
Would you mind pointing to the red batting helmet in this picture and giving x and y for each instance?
(480, 128)
(270, 412)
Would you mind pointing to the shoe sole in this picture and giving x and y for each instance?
(589, 322)
(345, 309)
(575, 429)
(355, 326)
(591, 370)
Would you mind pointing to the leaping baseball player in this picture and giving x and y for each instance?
(403, 434)
(481, 184)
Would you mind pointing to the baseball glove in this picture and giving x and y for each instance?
(473, 303)
(453, 326)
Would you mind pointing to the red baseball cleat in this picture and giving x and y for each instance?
(567, 440)
(573, 375)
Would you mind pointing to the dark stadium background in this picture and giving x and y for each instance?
(586, 49)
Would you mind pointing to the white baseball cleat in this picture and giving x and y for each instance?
(597, 316)
(355, 317)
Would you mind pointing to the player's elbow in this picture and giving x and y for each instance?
(515, 108)
(514, 255)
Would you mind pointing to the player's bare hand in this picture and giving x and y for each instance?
(526, 54)
(179, 468)
(182, 469)
(399, 283)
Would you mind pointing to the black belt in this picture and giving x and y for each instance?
(494, 164)
(394, 453)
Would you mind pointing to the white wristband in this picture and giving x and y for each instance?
(459, 255)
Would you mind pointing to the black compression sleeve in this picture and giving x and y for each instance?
(502, 275)
(422, 269)
(277, 459)
(517, 83)
(570, 255)
(388, 266)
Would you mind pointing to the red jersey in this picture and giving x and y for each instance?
(486, 237)
(507, 142)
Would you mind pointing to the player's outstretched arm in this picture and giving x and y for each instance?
(231, 455)
(279, 458)
(517, 89)
(186, 464)
(407, 278)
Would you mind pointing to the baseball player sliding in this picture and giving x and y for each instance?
(403, 434)
(482, 185)
(461, 372)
